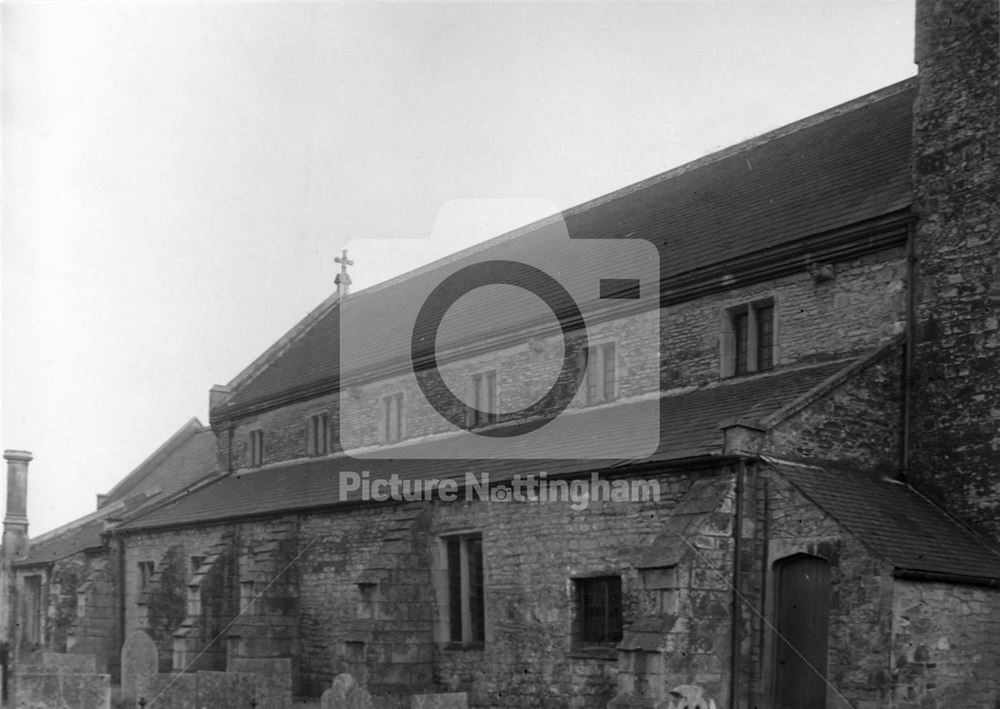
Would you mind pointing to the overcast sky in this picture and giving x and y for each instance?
(178, 177)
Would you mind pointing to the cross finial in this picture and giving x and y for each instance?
(343, 279)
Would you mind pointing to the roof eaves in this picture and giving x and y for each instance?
(772, 461)
(156, 504)
(898, 570)
(30, 561)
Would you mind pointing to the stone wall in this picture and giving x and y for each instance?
(956, 409)
(219, 690)
(860, 308)
(62, 691)
(533, 552)
(861, 600)
(79, 606)
(162, 607)
(94, 629)
(234, 604)
(945, 646)
(368, 598)
(857, 421)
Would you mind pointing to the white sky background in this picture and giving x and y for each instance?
(177, 178)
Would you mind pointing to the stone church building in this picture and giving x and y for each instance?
(818, 524)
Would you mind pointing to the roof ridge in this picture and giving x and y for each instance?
(270, 356)
(164, 451)
(728, 151)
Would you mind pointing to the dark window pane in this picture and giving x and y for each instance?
(600, 609)
(455, 590)
(491, 397)
(740, 332)
(765, 338)
(477, 604)
(609, 372)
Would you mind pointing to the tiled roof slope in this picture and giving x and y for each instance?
(838, 169)
(895, 521)
(71, 541)
(186, 458)
(689, 423)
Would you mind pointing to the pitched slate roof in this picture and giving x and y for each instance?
(689, 428)
(895, 521)
(833, 170)
(75, 539)
(184, 459)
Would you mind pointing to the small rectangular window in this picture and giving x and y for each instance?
(196, 564)
(466, 591)
(256, 448)
(599, 610)
(318, 434)
(484, 399)
(194, 599)
(741, 334)
(33, 609)
(145, 574)
(247, 597)
(392, 418)
(765, 337)
(748, 338)
(601, 373)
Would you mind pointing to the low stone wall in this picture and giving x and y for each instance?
(219, 690)
(62, 690)
(43, 661)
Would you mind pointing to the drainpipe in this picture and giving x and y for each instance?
(120, 543)
(735, 638)
(908, 355)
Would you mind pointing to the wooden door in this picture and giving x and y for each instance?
(802, 625)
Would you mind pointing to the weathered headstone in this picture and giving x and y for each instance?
(345, 693)
(139, 658)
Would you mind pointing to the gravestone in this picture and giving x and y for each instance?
(345, 693)
(139, 658)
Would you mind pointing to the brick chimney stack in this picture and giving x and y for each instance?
(15, 522)
(15, 534)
